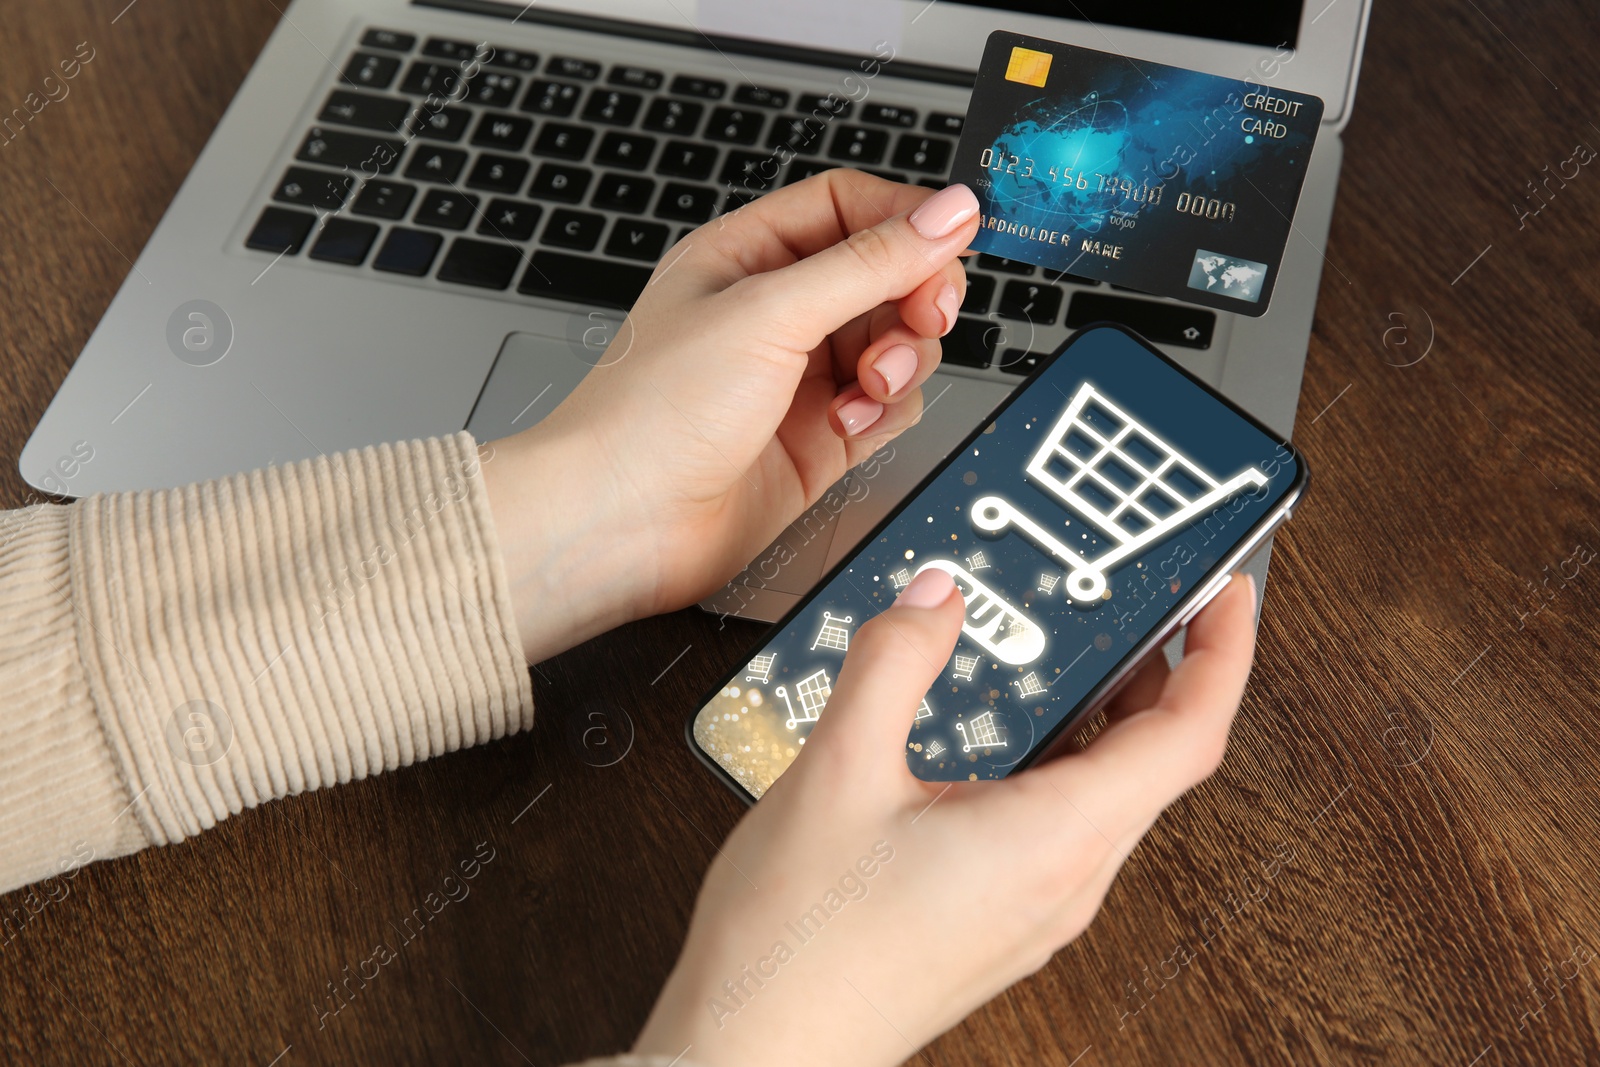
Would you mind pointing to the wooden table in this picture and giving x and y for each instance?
(1396, 863)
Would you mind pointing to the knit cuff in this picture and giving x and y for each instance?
(283, 630)
(62, 800)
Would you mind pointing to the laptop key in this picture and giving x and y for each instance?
(944, 122)
(686, 203)
(931, 155)
(359, 151)
(446, 124)
(630, 150)
(436, 164)
(888, 115)
(313, 188)
(694, 85)
(557, 182)
(623, 192)
(510, 220)
(1004, 266)
(434, 79)
(683, 159)
(578, 230)
(280, 230)
(824, 105)
(562, 276)
(637, 239)
(635, 78)
(494, 88)
(505, 132)
(673, 116)
(344, 241)
(371, 71)
(485, 264)
(980, 290)
(369, 112)
(389, 40)
(557, 99)
(499, 174)
(613, 107)
(1032, 302)
(563, 141)
(568, 67)
(444, 48)
(752, 170)
(446, 210)
(737, 125)
(797, 134)
(407, 251)
(514, 59)
(1019, 360)
(761, 96)
(1167, 324)
(858, 144)
(384, 200)
(973, 341)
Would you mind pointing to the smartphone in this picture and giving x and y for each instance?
(1100, 507)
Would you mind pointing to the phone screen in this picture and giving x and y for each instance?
(1094, 506)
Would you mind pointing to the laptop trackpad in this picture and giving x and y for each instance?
(532, 374)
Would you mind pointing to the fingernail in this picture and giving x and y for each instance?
(859, 414)
(943, 213)
(927, 590)
(897, 365)
(948, 303)
(1252, 580)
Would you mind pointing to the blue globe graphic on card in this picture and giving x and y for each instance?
(1060, 166)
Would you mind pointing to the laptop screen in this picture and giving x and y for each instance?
(1270, 23)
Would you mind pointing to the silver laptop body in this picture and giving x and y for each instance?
(344, 266)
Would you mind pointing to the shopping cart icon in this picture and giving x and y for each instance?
(1135, 487)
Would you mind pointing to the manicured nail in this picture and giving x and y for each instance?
(898, 365)
(944, 212)
(859, 414)
(948, 303)
(927, 590)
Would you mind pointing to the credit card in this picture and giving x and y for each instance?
(1156, 178)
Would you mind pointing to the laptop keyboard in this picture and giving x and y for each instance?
(562, 177)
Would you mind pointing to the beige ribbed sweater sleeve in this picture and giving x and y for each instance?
(168, 659)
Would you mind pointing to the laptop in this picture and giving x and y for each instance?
(417, 217)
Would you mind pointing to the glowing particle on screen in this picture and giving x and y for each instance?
(910, 554)
(930, 518)
(755, 697)
(876, 578)
(790, 753)
(952, 537)
(733, 691)
(1102, 641)
(972, 777)
(1249, 138)
(970, 478)
(801, 741)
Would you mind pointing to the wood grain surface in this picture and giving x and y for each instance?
(1396, 864)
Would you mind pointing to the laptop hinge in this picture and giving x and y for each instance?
(691, 38)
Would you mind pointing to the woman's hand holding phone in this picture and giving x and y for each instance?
(774, 348)
(941, 895)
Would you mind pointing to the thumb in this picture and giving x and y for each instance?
(811, 298)
(894, 659)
